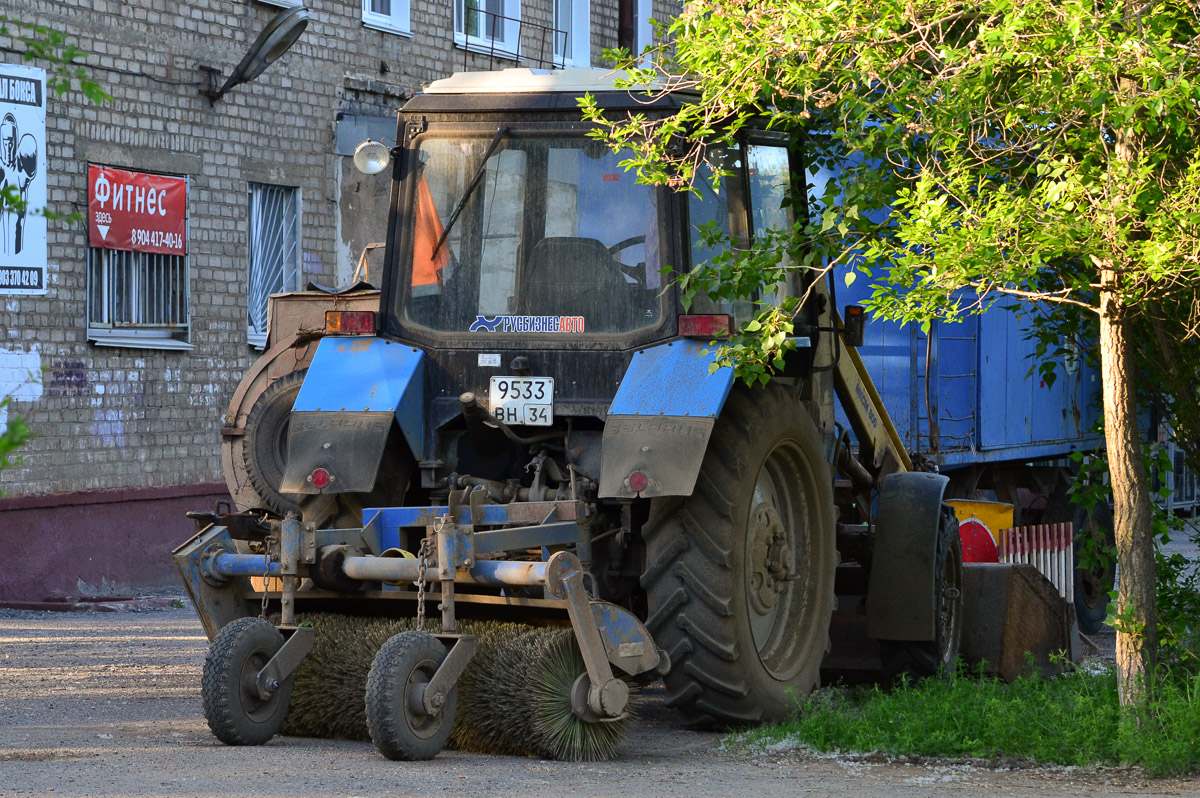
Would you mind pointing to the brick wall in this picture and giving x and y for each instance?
(108, 418)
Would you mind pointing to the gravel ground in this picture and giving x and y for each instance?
(108, 704)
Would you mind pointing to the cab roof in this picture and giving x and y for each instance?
(523, 88)
(524, 79)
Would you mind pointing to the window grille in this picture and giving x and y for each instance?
(137, 295)
(274, 249)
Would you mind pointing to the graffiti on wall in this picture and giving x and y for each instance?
(68, 378)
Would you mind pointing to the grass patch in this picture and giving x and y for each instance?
(1072, 719)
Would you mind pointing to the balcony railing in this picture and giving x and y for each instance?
(503, 38)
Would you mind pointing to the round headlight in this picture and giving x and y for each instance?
(371, 157)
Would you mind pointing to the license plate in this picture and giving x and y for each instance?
(522, 400)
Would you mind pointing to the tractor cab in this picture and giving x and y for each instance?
(527, 266)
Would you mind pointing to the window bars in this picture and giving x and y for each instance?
(274, 249)
(131, 290)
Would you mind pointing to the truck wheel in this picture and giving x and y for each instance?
(1092, 585)
(236, 712)
(264, 447)
(739, 575)
(918, 660)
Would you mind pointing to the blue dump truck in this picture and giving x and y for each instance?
(968, 399)
(525, 425)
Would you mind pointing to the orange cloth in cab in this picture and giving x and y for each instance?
(427, 267)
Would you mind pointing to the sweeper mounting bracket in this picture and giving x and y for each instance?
(216, 571)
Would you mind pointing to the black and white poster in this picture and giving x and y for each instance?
(22, 179)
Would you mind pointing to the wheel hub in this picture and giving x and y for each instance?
(771, 559)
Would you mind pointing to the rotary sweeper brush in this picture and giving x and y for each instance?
(513, 697)
(483, 685)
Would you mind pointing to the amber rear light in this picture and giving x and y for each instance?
(350, 322)
(709, 326)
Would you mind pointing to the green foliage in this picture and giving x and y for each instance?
(1177, 585)
(15, 433)
(1046, 151)
(1178, 604)
(1074, 719)
(1006, 149)
(52, 50)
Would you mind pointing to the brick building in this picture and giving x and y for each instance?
(121, 345)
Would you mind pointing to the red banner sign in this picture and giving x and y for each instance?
(137, 211)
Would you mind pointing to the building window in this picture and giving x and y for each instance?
(388, 15)
(572, 36)
(642, 31)
(492, 26)
(137, 298)
(274, 251)
(137, 262)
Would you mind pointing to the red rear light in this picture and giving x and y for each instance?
(350, 322)
(638, 481)
(709, 326)
(319, 478)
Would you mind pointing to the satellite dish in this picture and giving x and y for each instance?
(276, 38)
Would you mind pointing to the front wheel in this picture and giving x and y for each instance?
(918, 660)
(739, 575)
(396, 718)
(236, 710)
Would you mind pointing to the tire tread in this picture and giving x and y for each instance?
(692, 606)
(219, 680)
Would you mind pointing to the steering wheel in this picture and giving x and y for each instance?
(632, 241)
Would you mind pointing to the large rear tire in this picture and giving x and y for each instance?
(265, 452)
(739, 575)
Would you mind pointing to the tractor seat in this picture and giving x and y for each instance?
(569, 276)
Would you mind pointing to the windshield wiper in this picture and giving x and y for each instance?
(470, 188)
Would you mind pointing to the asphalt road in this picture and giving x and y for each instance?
(95, 704)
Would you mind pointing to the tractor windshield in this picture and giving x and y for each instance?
(553, 237)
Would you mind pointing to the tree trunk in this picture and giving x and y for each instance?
(1137, 633)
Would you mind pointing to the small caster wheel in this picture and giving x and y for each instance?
(236, 710)
(396, 717)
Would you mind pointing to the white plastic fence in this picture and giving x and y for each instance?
(1047, 547)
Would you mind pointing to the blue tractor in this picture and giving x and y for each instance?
(531, 424)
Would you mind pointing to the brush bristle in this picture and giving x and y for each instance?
(559, 732)
(513, 698)
(329, 685)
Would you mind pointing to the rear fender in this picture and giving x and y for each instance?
(354, 390)
(901, 597)
(661, 420)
